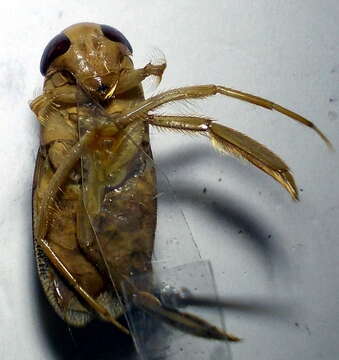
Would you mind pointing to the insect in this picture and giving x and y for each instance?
(94, 194)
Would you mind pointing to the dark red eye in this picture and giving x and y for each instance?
(56, 47)
(115, 35)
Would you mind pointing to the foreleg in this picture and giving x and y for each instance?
(133, 77)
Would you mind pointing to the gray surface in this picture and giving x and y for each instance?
(259, 241)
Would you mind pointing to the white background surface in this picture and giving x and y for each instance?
(259, 241)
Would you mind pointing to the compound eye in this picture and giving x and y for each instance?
(115, 35)
(56, 47)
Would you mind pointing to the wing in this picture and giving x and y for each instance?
(101, 223)
(104, 213)
(119, 216)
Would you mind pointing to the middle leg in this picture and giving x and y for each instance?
(233, 142)
(203, 91)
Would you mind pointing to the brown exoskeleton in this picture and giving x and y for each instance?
(94, 186)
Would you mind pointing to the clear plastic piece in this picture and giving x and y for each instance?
(154, 339)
